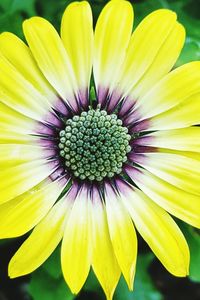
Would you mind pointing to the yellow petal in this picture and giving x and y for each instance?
(77, 37)
(123, 235)
(192, 155)
(112, 35)
(163, 62)
(185, 114)
(21, 214)
(19, 179)
(19, 94)
(146, 46)
(51, 57)
(76, 245)
(19, 55)
(11, 120)
(104, 262)
(15, 154)
(42, 241)
(10, 137)
(178, 170)
(179, 203)
(185, 139)
(174, 88)
(159, 230)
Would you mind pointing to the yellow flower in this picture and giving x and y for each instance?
(82, 163)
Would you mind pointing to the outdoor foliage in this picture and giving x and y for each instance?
(152, 281)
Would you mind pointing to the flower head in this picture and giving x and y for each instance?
(97, 138)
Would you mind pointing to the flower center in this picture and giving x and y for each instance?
(94, 145)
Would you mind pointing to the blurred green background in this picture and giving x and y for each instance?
(152, 281)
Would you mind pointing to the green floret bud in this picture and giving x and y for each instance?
(73, 138)
(103, 174)
(80, 143)
(103, 130)
(107, 124)
(99, 178)
(67, 164)
(110, 174)
(67, 150)
(68, 135)
(73, 124)
(75, 118)
(62, 153)
(62, 133)
(79, 124)
(91, 112)
(82, 129)
(68, 128)
(84, 114)
(67, 156)
(82, 119)
(74, 167)
(96, 131)
(75, 130)
(61, 146)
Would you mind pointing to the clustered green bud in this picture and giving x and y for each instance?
(94, 145)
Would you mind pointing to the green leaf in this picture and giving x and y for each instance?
(92, 284)
(47, 282)
(5, 5)
(190, 52)
(143, 286)
(193, 239)
(11, 6)
(26, 6)
(45, 287)
(12, 23)
(13, 12)
(52, 10)
(52, 265)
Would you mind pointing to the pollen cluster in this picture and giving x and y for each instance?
(94, 145)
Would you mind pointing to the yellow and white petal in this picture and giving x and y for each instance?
(51, 57)
(21, 214)
(177, 202)
(147, 49)
(12, 120)
(42, 241)
(123, 235)
(10, 137)
(186, 113)
(162, 63)
(15, 154)
(76, 246)
(18, 179)
(192, 155)
(159, 230)
(77, 37)
(104, 262)
(185, 139)
(112, 35)
(20, 56)
(178, 170)
(174, 88)
(19, 94)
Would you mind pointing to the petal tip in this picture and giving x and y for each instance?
(130, 280)
(12, 270)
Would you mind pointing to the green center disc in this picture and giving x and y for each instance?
(94, 145)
